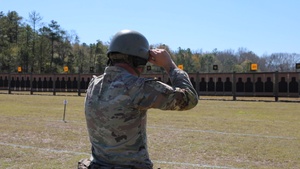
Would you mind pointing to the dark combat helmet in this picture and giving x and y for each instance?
(131, 43)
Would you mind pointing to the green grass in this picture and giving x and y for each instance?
(215, 134)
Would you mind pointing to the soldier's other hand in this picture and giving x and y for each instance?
(162, 58)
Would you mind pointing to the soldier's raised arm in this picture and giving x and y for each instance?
(181, 95)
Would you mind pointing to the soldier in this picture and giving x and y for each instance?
(117, 101)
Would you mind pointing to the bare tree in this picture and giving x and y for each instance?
(226, 60)
(282, 61)
(34, 20)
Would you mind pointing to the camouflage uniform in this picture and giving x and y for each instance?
(115, 107)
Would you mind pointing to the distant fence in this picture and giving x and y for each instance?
(45, 82)
(267, 84)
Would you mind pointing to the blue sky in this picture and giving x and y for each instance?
(261, 26)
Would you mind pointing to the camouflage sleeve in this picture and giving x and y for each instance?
(180, 96)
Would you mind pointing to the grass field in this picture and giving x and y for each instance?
(215, 134)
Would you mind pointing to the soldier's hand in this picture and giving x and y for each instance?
(162, 58)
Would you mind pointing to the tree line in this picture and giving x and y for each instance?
(38, 47)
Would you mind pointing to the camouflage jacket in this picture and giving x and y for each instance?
(115, 107)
